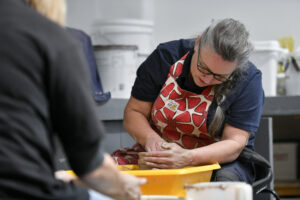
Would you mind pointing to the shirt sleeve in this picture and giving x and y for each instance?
(151, 76)
(245, 111)
(73, 110)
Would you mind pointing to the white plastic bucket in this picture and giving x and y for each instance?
(265, 56)
(117, 68)
(124, 32)
(219, 190)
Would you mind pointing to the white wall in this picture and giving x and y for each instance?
(84, 13)
(265, 19)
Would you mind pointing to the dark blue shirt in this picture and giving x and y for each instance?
(242, 107)
(44, 92)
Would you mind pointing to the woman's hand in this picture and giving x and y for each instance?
(107, 179)
(131, 187)
(172, 156)
(154, 143)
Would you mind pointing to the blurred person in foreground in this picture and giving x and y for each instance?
(44, 90)
(196, 102)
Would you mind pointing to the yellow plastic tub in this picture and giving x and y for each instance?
(170, 181)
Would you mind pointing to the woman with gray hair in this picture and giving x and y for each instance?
(197, 104)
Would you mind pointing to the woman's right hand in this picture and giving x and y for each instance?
(154, 143)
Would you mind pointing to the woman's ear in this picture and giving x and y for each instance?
(198, 38)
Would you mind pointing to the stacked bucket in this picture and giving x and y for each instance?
(121, 45)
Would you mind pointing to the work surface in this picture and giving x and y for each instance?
(274, 106)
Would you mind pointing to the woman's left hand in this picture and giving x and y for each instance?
(172, 157)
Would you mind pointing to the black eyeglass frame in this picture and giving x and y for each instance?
(207, 71)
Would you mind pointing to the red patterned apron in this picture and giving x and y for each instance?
(177, 115)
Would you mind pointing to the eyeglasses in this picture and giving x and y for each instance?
(206, 71)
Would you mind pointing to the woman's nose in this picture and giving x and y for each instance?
(207, 78)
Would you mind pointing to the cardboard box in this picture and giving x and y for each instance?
(286, 161)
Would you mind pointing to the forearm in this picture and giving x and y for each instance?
(222, 152)
(102, 181)
(108, 180)
(228, 149)
(138, 127)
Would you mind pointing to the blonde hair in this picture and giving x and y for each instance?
(52, 9)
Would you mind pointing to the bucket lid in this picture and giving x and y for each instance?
(220, 185)
(126, 22)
